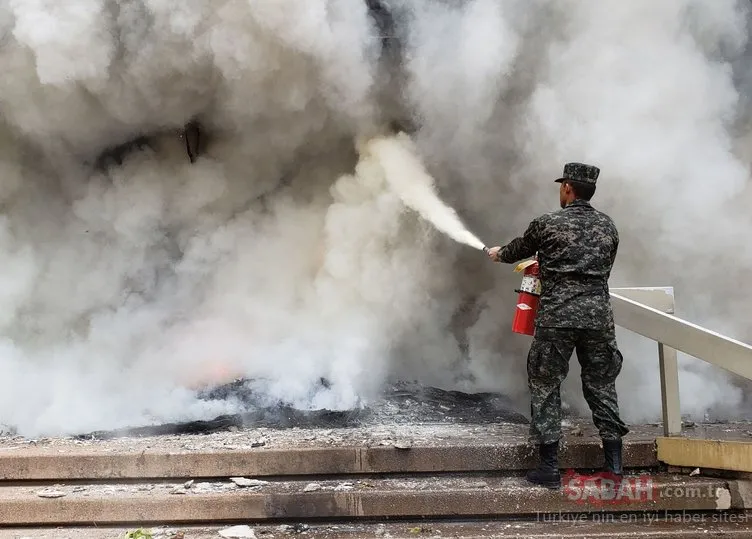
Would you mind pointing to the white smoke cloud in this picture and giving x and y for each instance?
(275, 256)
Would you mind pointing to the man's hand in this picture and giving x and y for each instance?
(493, 253)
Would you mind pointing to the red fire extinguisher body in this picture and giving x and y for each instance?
(527, 300)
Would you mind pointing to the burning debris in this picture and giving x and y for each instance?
(401, 403)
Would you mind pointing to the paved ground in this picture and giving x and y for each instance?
(267, 452)
(416, 435)
(549, 527)
(271, 438)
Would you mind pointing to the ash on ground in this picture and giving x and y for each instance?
(400, 404)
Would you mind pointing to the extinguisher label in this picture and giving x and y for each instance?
(523, 307)
(531, 285)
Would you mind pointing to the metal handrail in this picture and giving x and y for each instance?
(648, 312)
(730, 354)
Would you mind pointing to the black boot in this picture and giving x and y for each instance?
(547, 473)
(612, 456)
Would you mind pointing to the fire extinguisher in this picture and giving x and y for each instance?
(528, 298)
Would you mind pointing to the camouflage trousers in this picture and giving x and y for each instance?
(548, 366)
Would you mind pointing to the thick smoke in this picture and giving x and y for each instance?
(132, 276)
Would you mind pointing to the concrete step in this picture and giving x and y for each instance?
(409, 448)
(66, 461)
(362, 498)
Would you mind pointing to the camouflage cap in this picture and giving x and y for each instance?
(580, 172)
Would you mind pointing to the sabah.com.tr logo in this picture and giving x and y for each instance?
(608, 489)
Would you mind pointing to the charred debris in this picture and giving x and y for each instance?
(400, 403)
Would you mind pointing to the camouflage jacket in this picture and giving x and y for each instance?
(576, 249)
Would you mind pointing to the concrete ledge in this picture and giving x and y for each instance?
(47, 465)
(281, 500)
(704, 453)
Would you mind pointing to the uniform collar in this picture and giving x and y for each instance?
(578, 202)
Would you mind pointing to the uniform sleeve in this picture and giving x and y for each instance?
(523, 247)
(615, 247)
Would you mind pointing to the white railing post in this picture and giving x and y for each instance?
(670, 404)
(662, 299)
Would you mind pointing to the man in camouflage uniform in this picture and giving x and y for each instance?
(576, 248)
